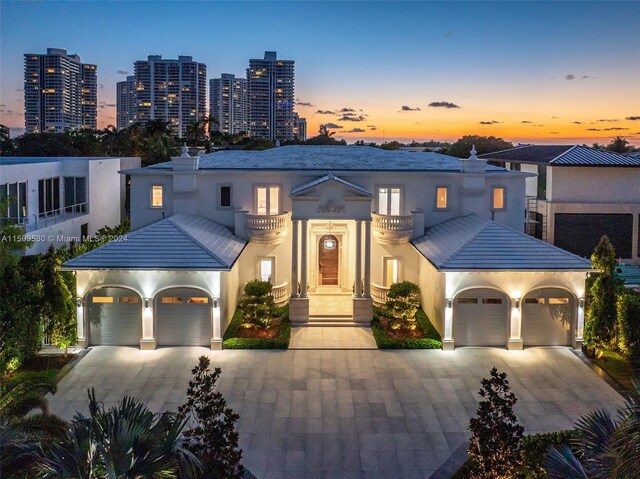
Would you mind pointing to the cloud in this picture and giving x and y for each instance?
(332, 125)
(408, 108)
(577, 122)
(325, 112)
(554, 117)
(492, 122)
(525, 121)
(554, 132)
(443, 104)
(355, 130)
(586, 77)
(594, 129)
(448, 34)
(122, 72)
(346, 109)
(19, 89)
(610, 121)
(2, 106)
(615, 129)
(632, 118)
(569, 77)
(303, 103)
(538, 125)
(101, 85)
(352, 118)
(372, 127)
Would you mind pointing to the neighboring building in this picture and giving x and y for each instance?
(126, 103)
(300, 131)
(229, 104)
(57, 200)
(579, 195)
(271, 97)
(170, 90)
(60, 92)
(329, 225)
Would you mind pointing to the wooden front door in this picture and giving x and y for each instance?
(328, 260)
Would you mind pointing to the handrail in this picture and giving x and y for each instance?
(280, 293)
(379, 294)
(53, 217)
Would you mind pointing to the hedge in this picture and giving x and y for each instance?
(433, 340)
(629, 325)
(230, 341)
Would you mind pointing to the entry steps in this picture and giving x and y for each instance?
(327, 320)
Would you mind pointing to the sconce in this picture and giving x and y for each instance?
(79, 302)
(215, 303)
(449, 303)
(516, 303)
(146, 303)
(581, 302)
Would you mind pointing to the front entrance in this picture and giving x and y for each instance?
(328, 260)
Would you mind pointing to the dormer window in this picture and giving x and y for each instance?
(389, 198)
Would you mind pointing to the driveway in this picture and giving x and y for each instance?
(347, 414)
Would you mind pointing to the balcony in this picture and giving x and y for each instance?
(267, 229)
(379, 294)
(280, 294)
(392, 230)
(52, 217)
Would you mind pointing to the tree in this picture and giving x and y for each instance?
(323, 130)
(7, 146)
(257, 303)
(212, 438)
(195, 132)
(619, 145)
(600, 327)
(495, 449)
(403, 301)
(483, 144)
(628, 307)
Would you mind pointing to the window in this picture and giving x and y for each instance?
(391, 271)
(102, 299)
(198, 300)
(17, 207)
(389, 200)
(497, 202)
(48, 196)
(533, 300)
(75, 194)
(225, 196)
(171, 300)
(467, 300)
(491, 301)
(267, 269)
(558, 300)
(128, 300)
(442, 193)
(156, 196)
(268, 200)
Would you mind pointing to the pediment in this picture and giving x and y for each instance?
(332, 182)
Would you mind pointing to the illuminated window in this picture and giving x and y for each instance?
(467, 300)
(497, 201)
(441, 197)
(128, 299)
(533, 300)
(267, 200)
(102, 299)
(156, 196)
(558, 300)
(198, 300)
(391, 268)
(491, 301)
(266, 269)
(389, 200)
(171, 300)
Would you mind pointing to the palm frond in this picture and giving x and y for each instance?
(562, 464)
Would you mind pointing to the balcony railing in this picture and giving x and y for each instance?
(379, 294)
(388, 229)
(280, 293)
(50, 218)
(267, 229)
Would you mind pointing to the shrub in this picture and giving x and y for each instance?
(403, 301)
(257, 303)
(495, 449)
(230, 341)
(629, 325)
(433, 340)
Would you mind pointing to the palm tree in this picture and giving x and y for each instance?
(195, 132)
(157, 127)
(324, 131)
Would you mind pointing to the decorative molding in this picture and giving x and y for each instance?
(331, 207)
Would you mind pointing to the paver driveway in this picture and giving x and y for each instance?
(347, 413)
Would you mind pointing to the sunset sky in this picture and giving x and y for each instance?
(545, 72)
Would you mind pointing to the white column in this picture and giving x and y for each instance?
(367, 258)
(294, 258)
(358, 281)
(303, 260)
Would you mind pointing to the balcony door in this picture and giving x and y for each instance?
(389, 200)
(268, 200)
(328, 260)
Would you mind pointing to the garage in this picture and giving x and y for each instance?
(183, 318)
(547, 317)
(480, 318)
(114, 316)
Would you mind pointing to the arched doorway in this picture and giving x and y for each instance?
(328, 260)
(114, 317)
(183, 317)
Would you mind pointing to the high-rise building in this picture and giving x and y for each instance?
(271, 97)
(300, 130)
(170, 90)
(126, 102)
(60, 92)
(229, 104)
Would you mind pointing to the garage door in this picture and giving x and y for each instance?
(547, 316)
(480, 318)
(114, 317)
(183, 318)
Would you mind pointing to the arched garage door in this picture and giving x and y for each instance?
(183, 318)
(480, 318)
(547, 317)
(114, 317)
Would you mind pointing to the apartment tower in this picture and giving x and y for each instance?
(126, 102)
(60, 92)
(271, 97)
(229, 104)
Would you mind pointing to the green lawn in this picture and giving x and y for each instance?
(618, 367)
(432, 339)
(231, 341)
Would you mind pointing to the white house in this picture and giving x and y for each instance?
(332, 228)
(63, 199)
(579, 195)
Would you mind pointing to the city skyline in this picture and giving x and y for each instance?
(543, 72)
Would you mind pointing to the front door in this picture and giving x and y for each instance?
(328, 260)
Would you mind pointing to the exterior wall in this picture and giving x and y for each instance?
(532, 182)
(432, 297)
(230, 293)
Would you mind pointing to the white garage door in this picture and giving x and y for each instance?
(547, 318)
(480, 318)
(183, 318)
(114, 317)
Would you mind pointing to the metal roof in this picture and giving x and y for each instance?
(468, 243)
(562, 155)
(181, 242)
(326, 179)
(327, 158)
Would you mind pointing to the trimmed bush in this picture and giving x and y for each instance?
(403, 301)
(628, 306)
(281, 341)
(432, 339)
(257, 303)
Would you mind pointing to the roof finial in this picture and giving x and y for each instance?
(473, 153)
(185, 152)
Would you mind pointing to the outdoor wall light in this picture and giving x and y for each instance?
(516, 303)
(215, 303)
(79, 302)
(329, 244)
(146, 303)
(449, 303)
(581, 302)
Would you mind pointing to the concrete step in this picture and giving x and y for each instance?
(326, 324)
(328, 320)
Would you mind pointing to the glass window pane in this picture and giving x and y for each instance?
(395, 201)
(225, 196)
(274, 194)
(198, 300)
(3, 196)
(383, 201)
(498, 198)
(81, 190)
(102, 299)
(41, 197)
(56, 193)
(69, 191)
(558, 300)
(391, 271)
(261, 197)
(156, 196)
(266, 269)
(13, 200)
(441, 197)
(22, 199)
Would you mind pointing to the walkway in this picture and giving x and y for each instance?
(341, 337)
(339, 414)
